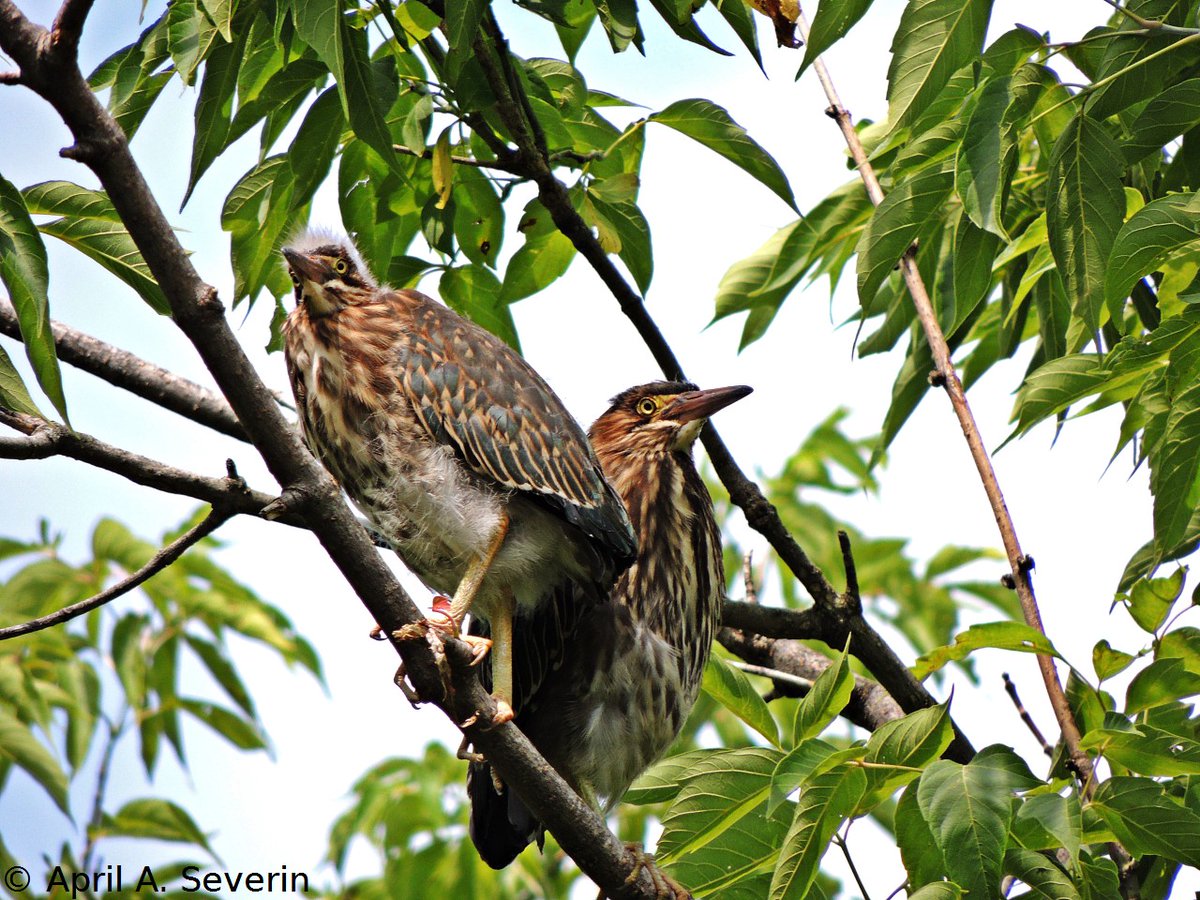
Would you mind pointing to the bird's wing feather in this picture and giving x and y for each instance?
(472, 391)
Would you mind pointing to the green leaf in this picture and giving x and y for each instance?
(214, 111)
(710, 125)
(221, 14)
(1175, 467)
(258, 213)
(190, 36)
(1148, 240)
(833, 21)
(896, 223)
(24, 273)
(312, 150)
(1085, 205)
(910, 743)
(1049, 821)
(1146, 750)
(224, 671)
(968, 817)
(829, 695)
(241, 733)
(478, 217)
(1167, 116)
(1109, 662)
(934, 40)
(996, 635)
(824, 804)
(473, 291)
(462, 21)
(18, 745)
(1147, 820)
(633, 232)
(1151, 599)
(914, 837)
(730, 785)
(152, 817)
(13, 392)
(734, 690)
(1182, 643)
(806, 759)
(940, 890)
(540, 261)
(1040, 875)
(90, 224)
(663, 780)
(1163, 681)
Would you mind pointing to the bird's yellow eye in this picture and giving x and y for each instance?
(339, 266)
(647, 406)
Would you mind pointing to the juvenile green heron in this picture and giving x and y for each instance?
(454, 448)
(622, 688)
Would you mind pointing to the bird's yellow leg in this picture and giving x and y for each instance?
(468, 586)
(502, 657)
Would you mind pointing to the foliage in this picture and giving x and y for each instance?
(1048, 218)
(74, 695)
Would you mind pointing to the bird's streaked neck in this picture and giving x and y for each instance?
(320, 301)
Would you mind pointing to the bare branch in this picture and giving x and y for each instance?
(68, 26)
(125, 370)
(45, 439)
(948, 378)
(163, 558)
(848, 565)
(1011, 690)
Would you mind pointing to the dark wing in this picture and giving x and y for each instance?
(472, 391)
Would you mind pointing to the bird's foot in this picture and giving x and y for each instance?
(665, 887)
(417, 631)
(376, 634)
(464, 751)
(410, 693)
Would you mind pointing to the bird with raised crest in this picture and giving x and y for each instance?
(623, 687)
(458, 453)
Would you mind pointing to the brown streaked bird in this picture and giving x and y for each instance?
(455, 449)
(626, 683)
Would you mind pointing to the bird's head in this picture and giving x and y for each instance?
(659, 417)
(328, 273)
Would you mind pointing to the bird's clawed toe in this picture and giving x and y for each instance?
(504, 712)
(665, 887)
(480, 647)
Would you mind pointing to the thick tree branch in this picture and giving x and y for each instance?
(100, 143)
(947, 377)
(841, 614)
(125, 370)
(159, 561)
(68, 26)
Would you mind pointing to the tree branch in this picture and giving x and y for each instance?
(68, 26)
(125, 370)
(45, 439)
(948, 378)
(163, 558)
(103, 147)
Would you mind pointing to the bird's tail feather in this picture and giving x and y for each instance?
(501, 825)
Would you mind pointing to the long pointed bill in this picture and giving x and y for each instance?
(304, 266)
(693, 405)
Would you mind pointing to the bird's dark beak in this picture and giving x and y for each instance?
(692, 405)
(303, 266)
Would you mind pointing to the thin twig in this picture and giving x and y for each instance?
(748, 579)
(134, 374)
(1024, 714)
(115, 730)
(848, 565)
(159, 561)
(804, 685)
(948, 378)
(841, 842)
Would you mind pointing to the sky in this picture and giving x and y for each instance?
(1080, 522)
